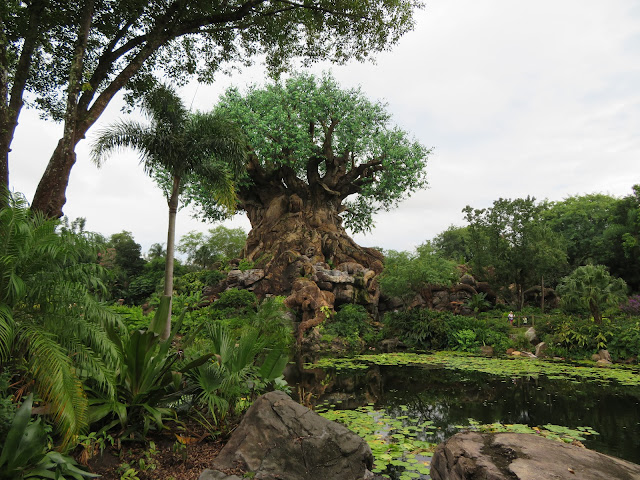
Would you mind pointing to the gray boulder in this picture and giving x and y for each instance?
(521, 456)
(532, 336)
(280, 439)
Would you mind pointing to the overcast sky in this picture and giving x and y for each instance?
(517, 98)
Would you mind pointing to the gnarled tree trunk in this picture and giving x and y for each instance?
(297, 238)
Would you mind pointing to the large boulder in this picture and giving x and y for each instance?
(521, 456)
(280, 439)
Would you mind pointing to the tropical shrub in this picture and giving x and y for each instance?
(132, 317)
(430, 330)
(591, 288)
(236, 299)
(53, 330)
(352, 324)
(25, 451)
(625, 342)
(149, 379)
(242, 367)
(574, 337)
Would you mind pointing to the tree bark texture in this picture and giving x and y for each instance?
(171, 240)
(297, 229)
(12, 95)
(50, 194)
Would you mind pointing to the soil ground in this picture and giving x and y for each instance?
(163, 464)
(171, 459)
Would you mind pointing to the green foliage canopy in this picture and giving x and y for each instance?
(511, 244)
(406, 273)
(310, 137)
(219, 244)
(591, 287)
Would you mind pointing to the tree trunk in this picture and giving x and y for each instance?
(12, 101)
(295, 241)
(171, 240)
(50, 194)
(595, 312)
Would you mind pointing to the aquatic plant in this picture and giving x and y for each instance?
(504, 367)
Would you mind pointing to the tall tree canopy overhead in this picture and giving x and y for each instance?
(75, 56)
(320, 155)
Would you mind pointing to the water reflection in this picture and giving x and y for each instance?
(450, 398)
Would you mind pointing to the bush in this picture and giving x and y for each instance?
(236, 299)
(625, 342)
(632, 306)
(430, 330)
(132, 317)
(352, 324)
(576, 338)
(194, 282)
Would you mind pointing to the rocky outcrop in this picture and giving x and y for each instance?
(521, 456)
(280, 439)
(440, 298)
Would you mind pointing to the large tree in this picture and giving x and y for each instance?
(322, 159)
(74, 57)
(601, 229)
(179, 149)
(511, 245)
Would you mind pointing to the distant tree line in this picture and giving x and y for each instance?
(523, 242)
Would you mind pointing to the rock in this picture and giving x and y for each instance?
(602, 361)
(604, 355)
(468, 280)
(510, 351)
(216, 475)
(541, 350)
(279, 438)
(391, 345)
(343, 294)
(352, 268)
(246, 278)
(531, 336)
(516, 353)
(522, 456)
(487, 350)
(333, 276)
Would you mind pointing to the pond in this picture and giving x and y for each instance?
(436, 400)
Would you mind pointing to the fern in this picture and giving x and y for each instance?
(52, 327)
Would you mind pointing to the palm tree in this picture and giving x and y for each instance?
(53, 331)
(179, 149)
(592, 287)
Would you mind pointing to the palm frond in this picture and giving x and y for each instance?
(7, 333)
(55, 380)
(121, 135)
